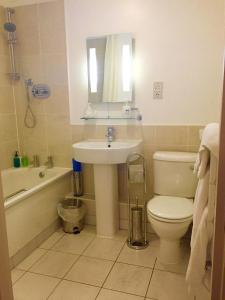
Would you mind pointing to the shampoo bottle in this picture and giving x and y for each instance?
(16, 160)
(25, 161)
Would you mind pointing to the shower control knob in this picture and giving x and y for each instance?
(41, 91)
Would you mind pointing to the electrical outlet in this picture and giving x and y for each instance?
(158, 90)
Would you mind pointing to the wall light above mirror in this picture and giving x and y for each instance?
(110, 60)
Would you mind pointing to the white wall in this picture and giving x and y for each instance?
(179, 42)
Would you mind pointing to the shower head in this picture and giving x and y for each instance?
(10, 27)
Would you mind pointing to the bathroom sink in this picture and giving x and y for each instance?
(105, 156)
(102, 152)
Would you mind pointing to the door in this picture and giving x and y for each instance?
(218, 276)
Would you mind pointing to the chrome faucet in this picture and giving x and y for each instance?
(49, 163)
(35, 162)
(110, 134)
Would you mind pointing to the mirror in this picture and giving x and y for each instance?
(110, 68)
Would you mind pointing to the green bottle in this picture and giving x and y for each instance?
(25, 161)
(16, 160)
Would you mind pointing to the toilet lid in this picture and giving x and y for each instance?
(173, 208)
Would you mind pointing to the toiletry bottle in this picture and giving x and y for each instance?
(16, 160)
(25, 161)
(77, 178)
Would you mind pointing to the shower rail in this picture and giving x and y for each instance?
(11, 32)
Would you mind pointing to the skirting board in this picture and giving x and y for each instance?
(90, 218)
(34, 243)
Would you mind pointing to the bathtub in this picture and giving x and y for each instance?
(30, 205)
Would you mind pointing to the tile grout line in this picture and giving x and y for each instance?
(153, 269)
(46, 251)
(63, 234)
(18, 278)
(79, 255)
(26, 271)
(110, 270)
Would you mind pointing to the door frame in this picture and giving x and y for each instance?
(218, 276)
(5, 274)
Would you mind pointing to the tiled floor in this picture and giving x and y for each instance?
(85, 267)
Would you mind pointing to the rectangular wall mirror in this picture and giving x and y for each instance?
(110, 68)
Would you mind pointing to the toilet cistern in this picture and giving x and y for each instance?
(110, 134)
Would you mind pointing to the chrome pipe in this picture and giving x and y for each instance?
(14, 75)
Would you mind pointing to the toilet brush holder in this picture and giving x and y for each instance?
(137, 237)
(136, 225)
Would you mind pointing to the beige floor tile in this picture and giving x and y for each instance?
(145, 257)
(74, 244)
(54, 264)
(121, 235)
(90, 270)
(104, 248)
(153, 240)
(16, 274)
(34, 286)
(68, 290)
(112, 295)
(168, 286)
(50, 242)
(129, 279)
(31, 259)
(89, 229)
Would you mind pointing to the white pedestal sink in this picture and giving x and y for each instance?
(105, 158)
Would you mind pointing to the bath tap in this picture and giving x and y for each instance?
(110, 134)
(35, 162)
(49, 163)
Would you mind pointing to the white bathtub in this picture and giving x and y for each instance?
(31, 208)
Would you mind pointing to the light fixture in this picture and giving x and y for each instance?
(126, 68)
(93, 70)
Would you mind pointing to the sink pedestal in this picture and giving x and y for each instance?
(106, 197)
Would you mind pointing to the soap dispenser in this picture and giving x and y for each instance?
(16, 160)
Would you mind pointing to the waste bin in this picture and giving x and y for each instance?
(72, 212)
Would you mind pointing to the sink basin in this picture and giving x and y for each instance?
(101, 152)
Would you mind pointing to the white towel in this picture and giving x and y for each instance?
(209, 141)
(196, 267)
(201, 200)
(203, 218)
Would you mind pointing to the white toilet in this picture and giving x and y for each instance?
(170, 211)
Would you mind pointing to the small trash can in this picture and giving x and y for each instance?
(72, 212)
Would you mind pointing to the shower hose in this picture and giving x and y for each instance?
(29, 119)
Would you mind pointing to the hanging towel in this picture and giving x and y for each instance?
(204, 207)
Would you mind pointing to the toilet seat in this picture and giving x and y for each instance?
(170, 209)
